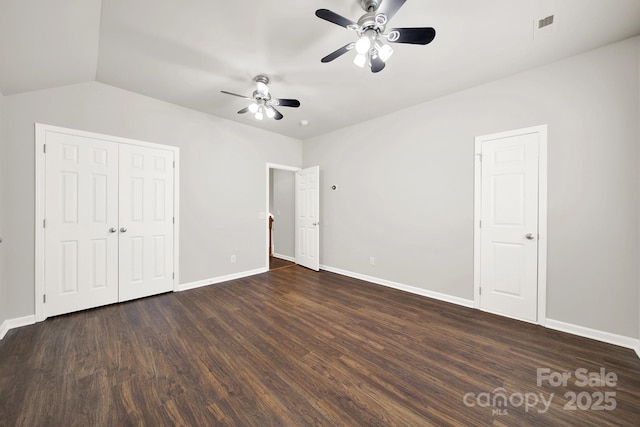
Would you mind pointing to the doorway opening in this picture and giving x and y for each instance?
(280, 247)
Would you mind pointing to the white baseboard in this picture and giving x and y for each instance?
(220, 279)
(4, 328)
(9, 324)
(407, 288)
(594, 334)
(582, 331)
(284, 257)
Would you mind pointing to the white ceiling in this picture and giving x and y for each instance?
(186, 51)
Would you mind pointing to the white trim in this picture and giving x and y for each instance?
(542, 214)
(4, 328)
(176, 224)
(594, 334)
(220, 279)
(477, 213)
(399, 286)
(284, 257)
(581, 331)
(266, 209)
(638, 343)
(40, 164)
(19, 322)
(40, 181)
(542, 223)
(282, 167)
(104, 137)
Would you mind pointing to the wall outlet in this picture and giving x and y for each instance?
(233, 258)
(372, 260)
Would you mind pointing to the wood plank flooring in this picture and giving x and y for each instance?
(297, 348)
(278, 263)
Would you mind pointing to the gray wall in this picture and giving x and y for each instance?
(3, 214)
(222, 176)
(405, 183)
(284, 212)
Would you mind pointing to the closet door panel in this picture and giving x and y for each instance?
(81, 214)
(146, 221)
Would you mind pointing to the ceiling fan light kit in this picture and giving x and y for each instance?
(263, 104)
(372, 46)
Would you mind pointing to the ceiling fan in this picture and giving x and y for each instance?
(263, 104)
(371, 47)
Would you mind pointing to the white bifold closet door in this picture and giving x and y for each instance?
(109, 222)
(146, 221)
(81, 254)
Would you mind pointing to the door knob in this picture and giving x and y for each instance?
(123, 230)
(530, 236)
(113, 230)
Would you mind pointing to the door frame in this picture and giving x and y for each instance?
(40, 193)
(268, 192)
(541, 130)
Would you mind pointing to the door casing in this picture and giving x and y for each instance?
(541, 130)
(270, 166)
(40, 180)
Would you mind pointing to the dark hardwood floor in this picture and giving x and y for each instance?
(278, 263)
(297, 348)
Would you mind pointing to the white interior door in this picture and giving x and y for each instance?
(509, 226)
(81, 214)
(308, 217)
(146, 221)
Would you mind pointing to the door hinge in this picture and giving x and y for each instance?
(174, 219)
(173, 276)
(174, 164)
(44, 223)
(480, 223)
(44, 148)
(479, 156)
(480, 291)
(44, 298)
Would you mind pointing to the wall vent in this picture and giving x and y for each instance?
(545, 22)
(545, 28)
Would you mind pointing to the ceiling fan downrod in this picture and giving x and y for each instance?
(370, 5)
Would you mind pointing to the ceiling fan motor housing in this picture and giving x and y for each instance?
(371, 21)
(261, 79)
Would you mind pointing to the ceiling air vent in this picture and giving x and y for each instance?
(545, 22)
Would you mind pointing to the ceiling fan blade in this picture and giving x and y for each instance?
(244, 110)
(421, 35)
(377, 64)
(235, 94)
(390, 7)
(286, 102)
(339, 52)
(333, 17)
(278, 115)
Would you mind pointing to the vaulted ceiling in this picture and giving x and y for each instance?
(187, 51)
